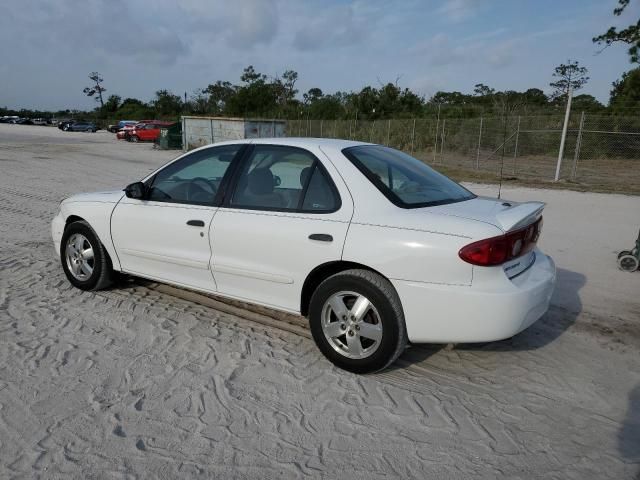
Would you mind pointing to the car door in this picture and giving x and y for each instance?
(166, 235)
(286, 213)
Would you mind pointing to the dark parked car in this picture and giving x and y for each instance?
(65, 124)
(82, 127)
(24, 121)
(120, 125)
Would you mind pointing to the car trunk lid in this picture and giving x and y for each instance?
(506, 215)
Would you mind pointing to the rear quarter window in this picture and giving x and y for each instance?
(405, 181)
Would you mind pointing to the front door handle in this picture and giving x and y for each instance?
(321, 237)
(195, 223)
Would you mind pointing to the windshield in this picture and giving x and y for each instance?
(406, 181)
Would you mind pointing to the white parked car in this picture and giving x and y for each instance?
(372, 245)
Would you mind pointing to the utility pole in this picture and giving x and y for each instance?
(576, 155)
(479, 142)
(564, 132)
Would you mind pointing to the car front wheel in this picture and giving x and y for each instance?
(84, 259)
(133, 138)
(357, 321)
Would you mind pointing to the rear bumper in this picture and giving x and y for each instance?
(492, 308)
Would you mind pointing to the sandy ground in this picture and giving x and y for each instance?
(136, 383)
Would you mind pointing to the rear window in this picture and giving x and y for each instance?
(404, 180)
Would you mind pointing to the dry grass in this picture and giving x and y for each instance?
(593, 175)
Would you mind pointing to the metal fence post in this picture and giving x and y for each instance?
(321, 122)
(435, 146)
(388, 131)
(576, 155)
(444, 123)
(515, 150)
(479, 142)
(413, 135)
(563, 138)
(355, 126)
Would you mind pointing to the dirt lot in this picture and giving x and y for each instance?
(136, 382)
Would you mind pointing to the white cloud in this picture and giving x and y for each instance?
(338, 26)
(248, 23)
(458, 10)
(441, 50)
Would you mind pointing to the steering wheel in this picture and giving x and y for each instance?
(201, 190)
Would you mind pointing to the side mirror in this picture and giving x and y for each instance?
(135, 190)
(277, 181)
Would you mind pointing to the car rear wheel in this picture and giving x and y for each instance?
(357, 321)
(84, 259)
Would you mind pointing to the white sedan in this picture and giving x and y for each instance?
(372, 245)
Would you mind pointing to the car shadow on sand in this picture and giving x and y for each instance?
(565, 308)
(629, 434)
(553, 323)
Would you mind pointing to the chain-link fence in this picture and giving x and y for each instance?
(599, 152)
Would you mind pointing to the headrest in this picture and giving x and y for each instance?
(261, 181)
(304, 176)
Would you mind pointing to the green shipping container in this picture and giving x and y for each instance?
(171, 137)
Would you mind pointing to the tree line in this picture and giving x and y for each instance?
(257, 95)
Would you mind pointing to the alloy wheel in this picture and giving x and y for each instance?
(80, 257)
(351, 325)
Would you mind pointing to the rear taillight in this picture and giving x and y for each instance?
(498, 250)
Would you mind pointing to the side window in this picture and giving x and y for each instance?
(193, 179)
(320, 195)
(273, 178)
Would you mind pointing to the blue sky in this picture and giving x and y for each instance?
(430, 45)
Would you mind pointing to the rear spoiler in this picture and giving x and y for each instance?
(519, 216)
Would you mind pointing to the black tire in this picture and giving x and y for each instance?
(623, 253)
(102, 275)
(379, 291)
(628, 263)
(134, 138)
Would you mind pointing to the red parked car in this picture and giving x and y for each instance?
(149, 132)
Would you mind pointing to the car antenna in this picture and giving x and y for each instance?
(504, 141)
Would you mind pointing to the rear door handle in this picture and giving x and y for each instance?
(321, 237)
(195, 223)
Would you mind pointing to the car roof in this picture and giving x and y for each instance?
(303, 142)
